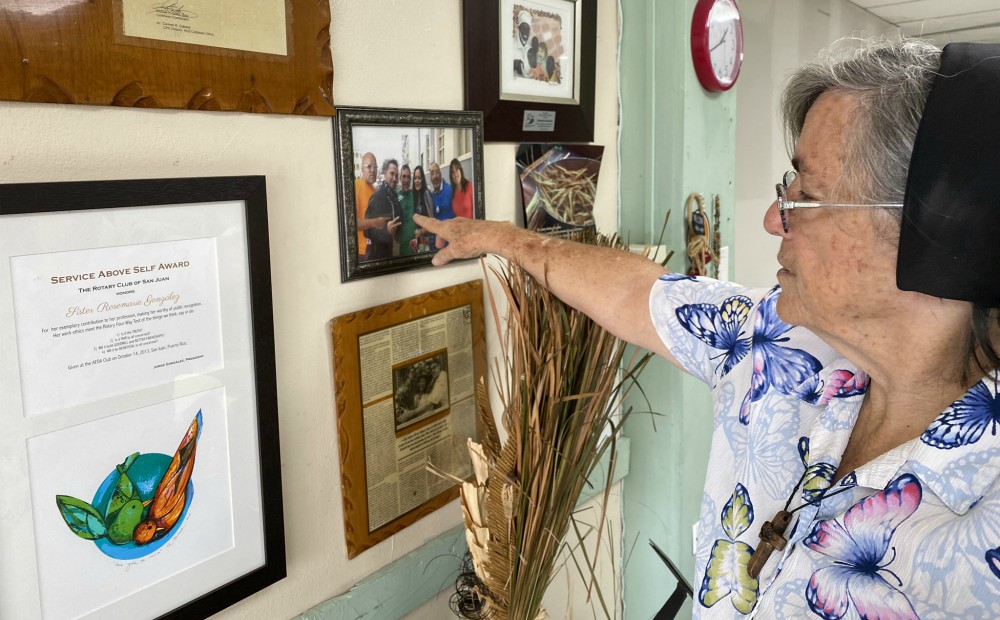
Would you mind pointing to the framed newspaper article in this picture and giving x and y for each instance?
(406, 375)
(139, 459)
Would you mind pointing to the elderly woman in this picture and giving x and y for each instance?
(855, 459)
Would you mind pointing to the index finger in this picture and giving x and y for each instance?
(425, 222)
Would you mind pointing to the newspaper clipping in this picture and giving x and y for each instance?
(417, 386)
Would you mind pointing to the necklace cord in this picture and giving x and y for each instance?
(795, 489)
(817, 500)
(813, 501)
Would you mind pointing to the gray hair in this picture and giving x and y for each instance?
(889, 81)
(387, 163)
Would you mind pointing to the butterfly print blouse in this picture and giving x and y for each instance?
(915, 533)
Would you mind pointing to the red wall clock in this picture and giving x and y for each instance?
(717, 43)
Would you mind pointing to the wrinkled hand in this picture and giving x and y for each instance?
(465, 238)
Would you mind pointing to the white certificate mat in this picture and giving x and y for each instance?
(114, 320)
(250, 25)
(76, 576)
(126, 308)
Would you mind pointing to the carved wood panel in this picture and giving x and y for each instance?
(75, 51)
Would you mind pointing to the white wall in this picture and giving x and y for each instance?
(386, 54)
(779, 35)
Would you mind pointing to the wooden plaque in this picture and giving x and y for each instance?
(405, 376)
(54, 51)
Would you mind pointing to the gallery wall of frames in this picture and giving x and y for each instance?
(214, 297)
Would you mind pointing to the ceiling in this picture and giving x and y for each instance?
(943, 21)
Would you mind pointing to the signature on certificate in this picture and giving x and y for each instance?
(172, 8)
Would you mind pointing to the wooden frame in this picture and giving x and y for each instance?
(78, 52)
(524, 118)
(440, 137)
(382, 423)
(156, 359)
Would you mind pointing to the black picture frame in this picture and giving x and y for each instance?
(456, 135)
(57, 201)
(505, 118)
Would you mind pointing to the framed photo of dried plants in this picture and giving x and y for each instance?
(558, 186)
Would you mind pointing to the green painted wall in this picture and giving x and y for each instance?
(675, 139)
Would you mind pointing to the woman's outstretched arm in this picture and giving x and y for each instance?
(609, 285)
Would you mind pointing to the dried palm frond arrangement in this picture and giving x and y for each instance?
(560, 381)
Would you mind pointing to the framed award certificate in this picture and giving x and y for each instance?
(140, 461)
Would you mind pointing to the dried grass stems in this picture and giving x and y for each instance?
(569, 194)
(560, 382)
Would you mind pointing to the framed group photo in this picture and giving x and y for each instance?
(140, 456)
(529, 65)
(392, 164)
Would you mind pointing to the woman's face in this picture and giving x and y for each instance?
(418, 180)
(837, 271)
(456, 175)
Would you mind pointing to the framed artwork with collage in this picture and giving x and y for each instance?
(529, 66)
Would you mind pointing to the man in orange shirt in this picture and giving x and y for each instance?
(364, 189)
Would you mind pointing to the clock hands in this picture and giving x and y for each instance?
(721, 41)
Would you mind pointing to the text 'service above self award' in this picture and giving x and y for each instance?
(93, 324)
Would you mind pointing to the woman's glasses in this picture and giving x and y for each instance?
(784, 204)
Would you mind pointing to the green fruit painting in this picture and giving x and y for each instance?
(125, 520)
(137, 507)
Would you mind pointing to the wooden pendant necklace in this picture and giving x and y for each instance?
(772, 532)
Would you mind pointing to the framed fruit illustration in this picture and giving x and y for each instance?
(140, 459)
(135, 509)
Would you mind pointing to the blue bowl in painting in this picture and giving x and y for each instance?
(145, 473)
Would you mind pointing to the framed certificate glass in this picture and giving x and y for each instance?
(140, 455)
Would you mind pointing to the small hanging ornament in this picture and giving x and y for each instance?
(699, 236)
(771, 539)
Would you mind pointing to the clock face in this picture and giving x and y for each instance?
(717, 43)
(725, 41)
